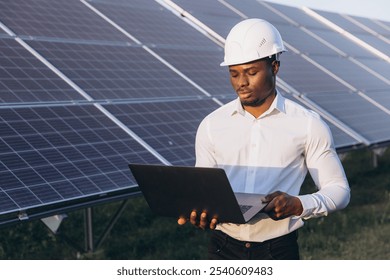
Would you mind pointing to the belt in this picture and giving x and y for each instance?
(248, 244)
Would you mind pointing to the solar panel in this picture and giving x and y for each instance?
(23, 78)
(59, 153)
(373, 25)
(357, 31)
(385, 24)
(151, 24)
(304, 42)
(66, 149)
(69, 19)
(381, 96)
(212, 13)
(344, 44)
(168, 127)
(379, 65)
(187, 50)
(309, 79)
(342, 139)
(357, 113)
(118, 71)
(349, 72)
(295, 14)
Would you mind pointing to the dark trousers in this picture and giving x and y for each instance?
(224, 247)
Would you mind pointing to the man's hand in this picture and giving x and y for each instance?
(282, 205)
(201, 222)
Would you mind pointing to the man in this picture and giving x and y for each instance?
(266, 144)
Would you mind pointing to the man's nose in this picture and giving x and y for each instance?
(243, 81)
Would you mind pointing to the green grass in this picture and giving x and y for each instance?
(359, 232)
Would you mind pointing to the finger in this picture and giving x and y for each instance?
(213, 223)
(270, 206)
(193, 217)
(203, 220)
(271, 196)
(181, 221)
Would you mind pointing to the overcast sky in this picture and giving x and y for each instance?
(379, 9)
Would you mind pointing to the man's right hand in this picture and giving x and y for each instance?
(201, 222)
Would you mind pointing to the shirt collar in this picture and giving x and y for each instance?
(277, 104)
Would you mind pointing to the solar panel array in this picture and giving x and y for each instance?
(87, 87)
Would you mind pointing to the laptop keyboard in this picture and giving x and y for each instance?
(245, 208)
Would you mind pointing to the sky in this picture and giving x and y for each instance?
(377, 9)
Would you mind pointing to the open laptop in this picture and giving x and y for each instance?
(175, 191)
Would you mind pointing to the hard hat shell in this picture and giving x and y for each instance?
(252, 39)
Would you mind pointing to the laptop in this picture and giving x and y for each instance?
(175, 191)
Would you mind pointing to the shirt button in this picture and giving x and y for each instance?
(247, 245)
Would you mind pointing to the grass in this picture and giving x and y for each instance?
(359, 232)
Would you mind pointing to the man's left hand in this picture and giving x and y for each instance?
(282, 205)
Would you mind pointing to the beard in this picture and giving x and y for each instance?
(253, 103)
(256, 102)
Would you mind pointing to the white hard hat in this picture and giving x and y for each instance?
(250, 40)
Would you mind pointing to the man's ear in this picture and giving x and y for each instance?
(275, 66)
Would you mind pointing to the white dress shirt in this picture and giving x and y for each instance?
(269, 153)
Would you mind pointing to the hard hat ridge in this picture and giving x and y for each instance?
(250, 40)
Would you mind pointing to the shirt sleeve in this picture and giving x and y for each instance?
(327, 172)
(204, 148)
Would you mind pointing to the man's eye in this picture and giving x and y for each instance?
(252, 73)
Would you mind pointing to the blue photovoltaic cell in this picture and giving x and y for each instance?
(212, 13)
(343, 44)
(23, 78)
(153, 25)
(351, 73)
(69, 19)
(297, 15)
(168, 127)
(203, 68)
(52, 154)
(255, 9)
(353, 110)
(319, 29)
(181, 45)
(380, 96)
(357, 31)
(382, 67)
(341, 139)
(305, 77)
(109, 72)
(304, 42)
(374, 25)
